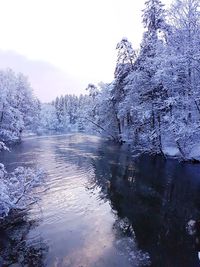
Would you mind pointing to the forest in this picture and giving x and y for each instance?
(107, 178)
(153, 102)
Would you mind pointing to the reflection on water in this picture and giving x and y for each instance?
(104, 209)
(16, 249)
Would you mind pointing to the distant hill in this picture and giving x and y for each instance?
(47, 80)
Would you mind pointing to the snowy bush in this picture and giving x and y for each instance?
(16, 188)
(3, 146)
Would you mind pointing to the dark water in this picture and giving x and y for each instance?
(102, 208)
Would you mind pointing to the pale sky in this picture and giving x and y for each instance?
(62, 45)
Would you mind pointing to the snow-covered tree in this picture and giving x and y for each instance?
(17, 105)
(125, 58)
(153, 101)
(154, 15)
(48, 119)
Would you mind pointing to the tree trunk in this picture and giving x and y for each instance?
(198, 108)
(160, 136)
(119, 126)
(180, 150)
(153, 126)
(2, 114)
(128, 119)
(99, 126)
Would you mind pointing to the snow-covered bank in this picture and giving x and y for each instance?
(171, 152)
(192, 156)
(195, 153)
(168, 152)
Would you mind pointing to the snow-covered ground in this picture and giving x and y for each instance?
(171, 151)
(195, 153)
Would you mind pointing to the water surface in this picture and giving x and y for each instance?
(103, 208)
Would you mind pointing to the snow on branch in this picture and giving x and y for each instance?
(16, 188)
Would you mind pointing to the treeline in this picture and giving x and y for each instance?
(154, 100)
(21, 112)
(64, 114)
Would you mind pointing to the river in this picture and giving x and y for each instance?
(101, 207)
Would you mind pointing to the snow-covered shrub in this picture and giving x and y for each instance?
(16, 188)
(3, 147)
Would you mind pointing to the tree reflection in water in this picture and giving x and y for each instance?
(15, 248)
(151, 202)
(153, 199)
